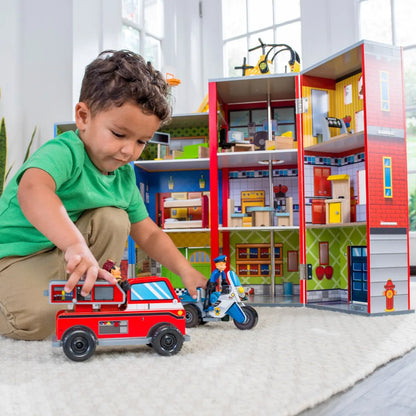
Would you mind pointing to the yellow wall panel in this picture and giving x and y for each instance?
(348, 105)
(343, 101)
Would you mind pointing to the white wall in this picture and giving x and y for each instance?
(45, 46)
(193, 49)
(35, 39)
(10, 72)
(96, 27)
(328, 26)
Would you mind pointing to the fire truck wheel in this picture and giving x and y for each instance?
(191, 316)
(252, 318)
(78, 344)
(167, 340)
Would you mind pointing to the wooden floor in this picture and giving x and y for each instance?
(389, 391)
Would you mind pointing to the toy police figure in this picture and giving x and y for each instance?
(220, 265)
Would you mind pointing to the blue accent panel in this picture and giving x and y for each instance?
(214, 297)
(236, 313)
(131, 251)
(183, 181)
(356, 276)
(234, 278)
(186, 297)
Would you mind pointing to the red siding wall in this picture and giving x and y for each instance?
(387, 209)
(385, 137)
(374, 65)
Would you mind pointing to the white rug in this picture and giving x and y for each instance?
(294, 359)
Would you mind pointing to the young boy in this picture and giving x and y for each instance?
(73, 204)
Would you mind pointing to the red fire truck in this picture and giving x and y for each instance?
(148, 312)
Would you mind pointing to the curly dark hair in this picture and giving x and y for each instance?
(116, 77)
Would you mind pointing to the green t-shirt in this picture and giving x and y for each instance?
(79, 185)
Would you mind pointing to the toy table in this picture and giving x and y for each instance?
(261, 215)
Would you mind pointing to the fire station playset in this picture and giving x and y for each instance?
(336, 230)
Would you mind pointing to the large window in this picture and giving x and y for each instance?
(142, 32)
(244, 22)
(391, 21)
(244, 120)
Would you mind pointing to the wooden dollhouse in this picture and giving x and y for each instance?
(345, 236)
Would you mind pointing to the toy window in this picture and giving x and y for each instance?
(320, 108)
(292, 261)
(387, 178)
(103, 293)
(150, 291)
(78, 290)
(59, 294)
(285, 117)
(199, 257)
(178, 143)
(253, 120)
(323, 253)
(384, 91)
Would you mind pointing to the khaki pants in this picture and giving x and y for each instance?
(25, 313)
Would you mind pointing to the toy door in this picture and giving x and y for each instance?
(334, 212)
(358, 273)
(174, 278)
(200, 260)
(321, 185)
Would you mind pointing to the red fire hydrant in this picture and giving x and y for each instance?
(389, 294)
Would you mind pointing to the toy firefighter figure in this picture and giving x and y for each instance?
(111, 267)
(220, 265)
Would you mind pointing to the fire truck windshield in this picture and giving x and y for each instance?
(150, 291)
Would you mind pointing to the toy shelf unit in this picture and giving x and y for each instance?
(178, 189)
(336, 185)
(185, 213)
(259, 154)
(255, 259)
(251, 104)
(186, 149)
(339, 144)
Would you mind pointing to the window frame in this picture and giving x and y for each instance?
(248, 34)
(144, 33)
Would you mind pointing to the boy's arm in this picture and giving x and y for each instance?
(161, 248)
(45, 211)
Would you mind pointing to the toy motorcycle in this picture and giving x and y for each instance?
(224, 305)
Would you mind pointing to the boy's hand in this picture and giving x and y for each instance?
(192, 280)
(82, 263)
(160, 247)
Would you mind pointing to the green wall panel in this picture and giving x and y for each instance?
(339, 239)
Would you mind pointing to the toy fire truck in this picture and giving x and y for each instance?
(148, 312)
